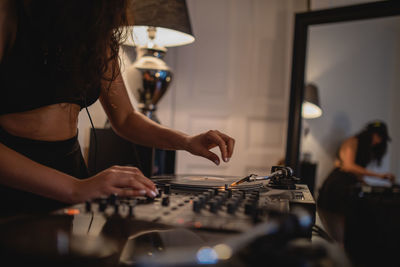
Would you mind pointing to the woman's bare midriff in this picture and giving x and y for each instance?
(50, 123)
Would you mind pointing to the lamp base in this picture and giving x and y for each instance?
(150, 113)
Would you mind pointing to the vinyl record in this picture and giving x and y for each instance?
(203, 182)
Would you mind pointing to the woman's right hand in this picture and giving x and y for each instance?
(124, 181)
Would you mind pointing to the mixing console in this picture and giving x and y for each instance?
(181, 223)
(214, 209)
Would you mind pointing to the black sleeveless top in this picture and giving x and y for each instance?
(360, 158)
(31, 75)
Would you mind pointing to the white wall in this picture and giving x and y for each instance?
(355, 66)
(236, 78)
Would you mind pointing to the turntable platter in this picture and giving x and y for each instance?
(203, 182)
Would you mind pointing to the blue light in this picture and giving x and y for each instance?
(207, 255)
(305, 221)
(163, 74)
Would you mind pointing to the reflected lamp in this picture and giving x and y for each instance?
(311, 107)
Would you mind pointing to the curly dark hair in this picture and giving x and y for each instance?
(368, 152)
(81, 36)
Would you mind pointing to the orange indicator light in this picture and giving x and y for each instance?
(71, 211)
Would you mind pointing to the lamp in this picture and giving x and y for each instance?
(155, 25)
(311, 108)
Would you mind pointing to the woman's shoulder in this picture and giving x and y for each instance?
(350, 142)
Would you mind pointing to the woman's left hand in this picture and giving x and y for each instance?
(389, 176)
(201, 144)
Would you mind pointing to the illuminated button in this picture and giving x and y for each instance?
(71, 211)
(197, 224)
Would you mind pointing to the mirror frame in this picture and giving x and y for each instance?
(302, 22)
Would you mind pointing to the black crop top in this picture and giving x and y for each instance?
(360, 158)
(31, 77)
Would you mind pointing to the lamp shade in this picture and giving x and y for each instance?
(311, 107)
(170, 18)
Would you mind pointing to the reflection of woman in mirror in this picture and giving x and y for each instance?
(353, 157)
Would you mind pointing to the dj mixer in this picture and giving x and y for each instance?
(194, 219)
(207, 207)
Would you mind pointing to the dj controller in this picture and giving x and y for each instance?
(204, 207)
(194, 220)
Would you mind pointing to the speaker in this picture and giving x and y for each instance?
(106, 149)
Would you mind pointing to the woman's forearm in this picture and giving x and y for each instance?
(359, 170)
(19, 172)
(141, 130)
(137, 128)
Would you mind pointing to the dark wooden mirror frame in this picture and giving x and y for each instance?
(302, 22)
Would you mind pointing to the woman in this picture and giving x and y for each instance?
(56, 58)
(353, 157)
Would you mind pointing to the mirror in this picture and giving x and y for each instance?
(355, 66)
(352, 55)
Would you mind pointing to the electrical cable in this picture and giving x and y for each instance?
(91, 221)
(94, 136)
(321, 233)
(95, 153)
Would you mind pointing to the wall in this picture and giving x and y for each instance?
(356, 68)
(235, 78)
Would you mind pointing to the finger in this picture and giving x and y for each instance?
(146, 181)
(142, 183)
(230, 147)
(141, 179)
(211, 156)
(217, 139)
(129, 192)
(137, 175)
(230, 144)
(127, 168)
(128, 181)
